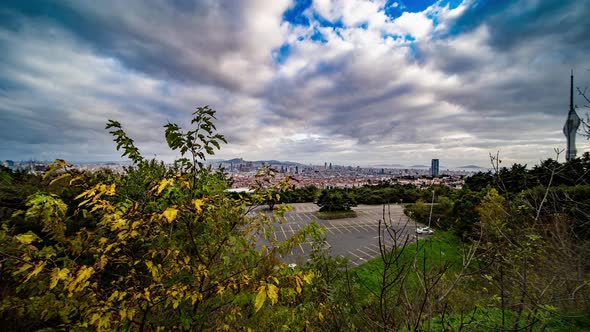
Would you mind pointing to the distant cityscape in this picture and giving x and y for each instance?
(243, 172)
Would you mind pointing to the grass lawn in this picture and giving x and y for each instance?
(435, 251)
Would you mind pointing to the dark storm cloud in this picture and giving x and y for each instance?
(179, 40)
(514, 22)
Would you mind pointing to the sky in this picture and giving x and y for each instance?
(345, 81)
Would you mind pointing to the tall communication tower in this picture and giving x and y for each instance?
(571, 125)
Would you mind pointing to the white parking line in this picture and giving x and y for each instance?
(374, 245)
(329, 230)
(366, 228)
(373, 250)
(357, 256)
(346, 228)
(364, 252)
(356, 229)
(336, 228)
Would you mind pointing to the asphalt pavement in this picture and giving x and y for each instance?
(356, 238)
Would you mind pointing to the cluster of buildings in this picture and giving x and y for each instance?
(329, 176)
(243, 173)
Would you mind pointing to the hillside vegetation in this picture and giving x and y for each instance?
(167, 248)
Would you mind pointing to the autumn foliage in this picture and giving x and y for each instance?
(156, 248)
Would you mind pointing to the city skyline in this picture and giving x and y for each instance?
(351, 82)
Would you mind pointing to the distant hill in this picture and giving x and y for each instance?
(471, 166)
(419, 166)
(234, 161)
(257, 162)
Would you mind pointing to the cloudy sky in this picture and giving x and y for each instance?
(346, 81)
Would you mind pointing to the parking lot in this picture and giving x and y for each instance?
(356, 238)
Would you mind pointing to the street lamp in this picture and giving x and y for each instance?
(431, 205)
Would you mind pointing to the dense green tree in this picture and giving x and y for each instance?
(335, 200)
(479, 181)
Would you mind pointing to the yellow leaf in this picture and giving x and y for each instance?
(83, 274)
(298, 283)
(198, 204)
(260, 298)
(38, 268)
(308, 277)
(111, 190)
(26, 238)
(61, 176)
(23, 268)
(87, 193)
(220, 289)
(273, 293)
(76, 178)
(162, 185)
(170, 214)
(56, 275)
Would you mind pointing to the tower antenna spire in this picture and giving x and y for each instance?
(572, 90)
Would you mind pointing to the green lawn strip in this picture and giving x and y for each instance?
(431, 252)
(329, 215)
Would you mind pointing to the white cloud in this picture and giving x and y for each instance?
(416, 25)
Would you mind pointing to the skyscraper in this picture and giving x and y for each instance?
(434, 167)
(571, 125)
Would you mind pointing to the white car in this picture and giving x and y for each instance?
(424, 230)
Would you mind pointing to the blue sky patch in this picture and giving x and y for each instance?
(451, 3)
(318, 37)
(295, 16)
(281, 55)
(324, 23)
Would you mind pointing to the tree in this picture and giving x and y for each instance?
(331, 200)
(156, 249)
